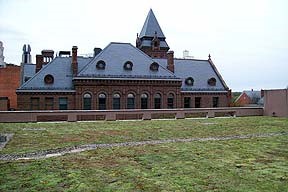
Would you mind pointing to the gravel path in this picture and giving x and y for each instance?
(80, 148)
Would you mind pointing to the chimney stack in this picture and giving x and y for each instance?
(48, 55)
(97, 51)
(262, 93)
(170, 61)
(74, 60)
(39, 62)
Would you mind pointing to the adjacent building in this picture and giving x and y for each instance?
(250, 98)
(122, 76)
(9, 82)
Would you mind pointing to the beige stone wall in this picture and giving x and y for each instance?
(276, 102)
(111, 115)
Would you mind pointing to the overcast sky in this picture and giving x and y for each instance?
(247, 39)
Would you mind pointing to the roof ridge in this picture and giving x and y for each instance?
(191, 59)
(218, 74)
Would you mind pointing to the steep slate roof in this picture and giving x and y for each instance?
(115, 55)
(199, 70)
(60, 69)
(150, 26)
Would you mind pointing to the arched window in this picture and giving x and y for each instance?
(212, 81)
(189, 81)
(102, 101)
(87, 101)
(130, 101)
(49, 79)
(154, 66)
(116, 101)
(101, 65)
(144, 101)
(170, 101)
(157, 101)
(128, 65)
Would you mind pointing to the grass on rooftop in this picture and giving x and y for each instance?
(258, 164)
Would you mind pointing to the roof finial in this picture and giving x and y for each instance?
(209, 57)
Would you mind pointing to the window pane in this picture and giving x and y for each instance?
(49, 103)
(116, 101)
(35, 103)
(170, 101)
(187, 101)
(144, 101)
(157, 101)
(197, 102)
(87, 103)
(102, 101)
(215, 101)
(63, 103)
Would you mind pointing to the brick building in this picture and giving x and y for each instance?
(9, 82)
(250, 98)
(122, 76)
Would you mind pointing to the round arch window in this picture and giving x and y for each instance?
(189, 81)
(49, 79)
(154, 66)
(101, 65)
(102, 95)
(130, 95)
(87, 96)
(116, 95)
(128, 65)
(212, 81)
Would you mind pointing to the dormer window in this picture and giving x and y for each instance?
(128, 65)
(212, 81)
(49, 79)
(189, 81)
(154, 66)
(101, 65)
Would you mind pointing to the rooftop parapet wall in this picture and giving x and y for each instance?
(276, 103)
(132, 114)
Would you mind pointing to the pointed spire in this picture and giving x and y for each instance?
(150, 26)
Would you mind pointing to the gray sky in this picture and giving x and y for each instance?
(247, 39)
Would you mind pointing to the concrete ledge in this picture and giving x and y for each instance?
(112, 115)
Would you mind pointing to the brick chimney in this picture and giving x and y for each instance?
(262, 93)
(170, 61)
(39, 63)
(48, 56)
(74, 60)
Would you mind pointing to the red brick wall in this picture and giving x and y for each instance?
(243, 100)
(9, 82)
(24, 100)
(109, 87)
(124, 88)
(4, 104)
